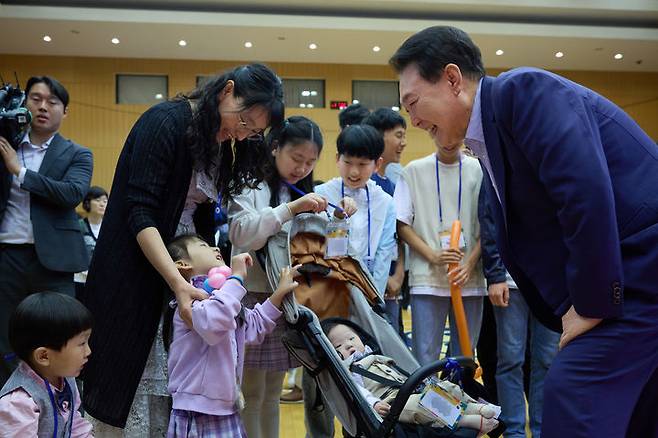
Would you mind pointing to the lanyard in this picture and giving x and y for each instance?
(438, 188)
(342, 194)
(56, 410)
(301, 192)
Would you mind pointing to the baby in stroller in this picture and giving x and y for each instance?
(380, 379)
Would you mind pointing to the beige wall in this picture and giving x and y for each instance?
(94, 119)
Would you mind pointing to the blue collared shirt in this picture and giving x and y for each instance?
(475, 137)
(16, 225)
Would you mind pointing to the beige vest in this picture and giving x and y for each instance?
(420, 176)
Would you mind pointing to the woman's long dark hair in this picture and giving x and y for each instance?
(235, 166)
(295, 130)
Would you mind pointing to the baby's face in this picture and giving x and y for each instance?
(345, 341)
(203, 257)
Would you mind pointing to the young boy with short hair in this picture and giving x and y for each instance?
(371, 211)
(393, 129)
(49, 332)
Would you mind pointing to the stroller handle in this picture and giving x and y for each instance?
(412, 383)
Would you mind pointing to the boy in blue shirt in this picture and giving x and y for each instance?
(371, 210)
(393, 128)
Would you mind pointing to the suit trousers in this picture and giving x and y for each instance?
(21, 274)
(603, 383)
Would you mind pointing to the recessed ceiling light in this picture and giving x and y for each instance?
(248, 44)
(159, 96)
(312, 46)
(395, 108)
(499, 52)
(376, 49)
(619, 56)
(115, 40)
(355, 101)
(310, 105)
(302, 105)
(306, 93)
(314, 93)
(559, 54)
(47, 38)
(182, 43)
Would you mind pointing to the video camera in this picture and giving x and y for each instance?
(14, 116)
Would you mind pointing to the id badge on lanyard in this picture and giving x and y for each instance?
(444, 237)
(337, 238)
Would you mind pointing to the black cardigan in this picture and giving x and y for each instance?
(124, 292)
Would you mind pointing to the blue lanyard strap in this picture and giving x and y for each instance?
(342, 194)
(54, 405)
(438, 189)
(301, 192)
(56, 408)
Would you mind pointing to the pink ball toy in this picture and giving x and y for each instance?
(224, 270)
(216, 280)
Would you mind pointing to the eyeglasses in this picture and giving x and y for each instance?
(254, 133)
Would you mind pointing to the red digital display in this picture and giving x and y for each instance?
(338, 104)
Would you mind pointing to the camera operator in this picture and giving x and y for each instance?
(41, 183)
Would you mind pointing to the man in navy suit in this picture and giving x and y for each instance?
(41, 183)
(573, 182)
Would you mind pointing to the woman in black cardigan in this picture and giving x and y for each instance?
(176, 152)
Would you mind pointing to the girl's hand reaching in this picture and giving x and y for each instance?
(309, 202)
(286, 285)
(240, 263)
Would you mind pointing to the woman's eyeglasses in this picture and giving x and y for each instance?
(255, 134)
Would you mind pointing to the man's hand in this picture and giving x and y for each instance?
(575, 325)
(9, 157)
(499, 294)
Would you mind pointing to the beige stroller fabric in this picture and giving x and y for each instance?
(350, 292)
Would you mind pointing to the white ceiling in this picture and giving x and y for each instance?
(589, 32)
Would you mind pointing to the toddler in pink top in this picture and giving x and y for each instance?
(49, 333)
(205, 360)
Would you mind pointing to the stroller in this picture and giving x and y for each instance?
(344, 288)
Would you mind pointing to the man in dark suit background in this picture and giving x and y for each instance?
(572, 180)
(41, 183)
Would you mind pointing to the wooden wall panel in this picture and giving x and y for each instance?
(96, 121)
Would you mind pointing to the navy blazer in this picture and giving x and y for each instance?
(55, 190)
(577, 223)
